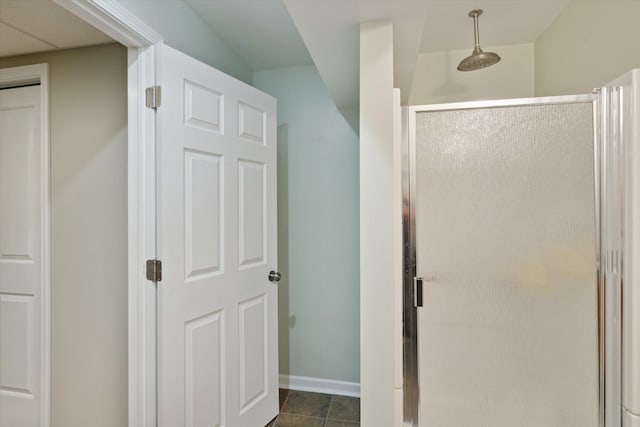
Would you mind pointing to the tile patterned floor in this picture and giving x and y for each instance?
(304, 409)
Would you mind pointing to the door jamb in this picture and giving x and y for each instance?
(31, 74)
(117, 22)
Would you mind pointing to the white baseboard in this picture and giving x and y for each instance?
(320, 385)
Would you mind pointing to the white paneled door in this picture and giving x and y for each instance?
(21, 257)
(217, 310)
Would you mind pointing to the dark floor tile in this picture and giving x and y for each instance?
(309, 404)
(272, 423)
(283, 396)
(345, 408)
(339, 423)
(291, 420)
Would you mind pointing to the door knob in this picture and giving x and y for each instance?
(274, 276)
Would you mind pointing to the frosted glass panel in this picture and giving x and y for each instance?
(506, 246)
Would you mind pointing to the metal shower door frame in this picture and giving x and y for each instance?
(619, 136)
(411, 386)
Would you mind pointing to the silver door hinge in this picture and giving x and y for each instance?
(153, 97)
(154, 270)
(417, 291)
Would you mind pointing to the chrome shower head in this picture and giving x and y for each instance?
(478, 59)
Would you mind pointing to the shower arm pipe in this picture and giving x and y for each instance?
(476, 32)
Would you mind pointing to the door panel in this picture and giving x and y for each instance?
(217, 311)
(203, 214)
(505, 235)
(253, 349)
(204, 366)
(16, 335)
(251, 214)
(251, 124)
(21, 227)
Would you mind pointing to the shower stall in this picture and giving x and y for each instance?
(521, 229)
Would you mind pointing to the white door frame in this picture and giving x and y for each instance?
(31, 74)
(118, 23)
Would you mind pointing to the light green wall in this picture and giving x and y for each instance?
(590, 44)
(184, 30)
(88, 133)
(318, 229)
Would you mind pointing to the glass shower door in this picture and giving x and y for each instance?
(506, 248)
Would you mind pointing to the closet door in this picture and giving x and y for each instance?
(22, 223)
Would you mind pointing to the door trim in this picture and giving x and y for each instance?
(39, 73)
(411, 395)
(117, 22)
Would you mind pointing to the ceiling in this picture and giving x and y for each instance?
(261, 32)
(29, 26)
(447, 25)
(331, 32)
(280, 33)
(269, 34)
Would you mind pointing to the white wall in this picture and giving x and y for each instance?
(590, 44)
(377, 210)
(436, 79)
(318, 228)
(184, 30)
(89, 233)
